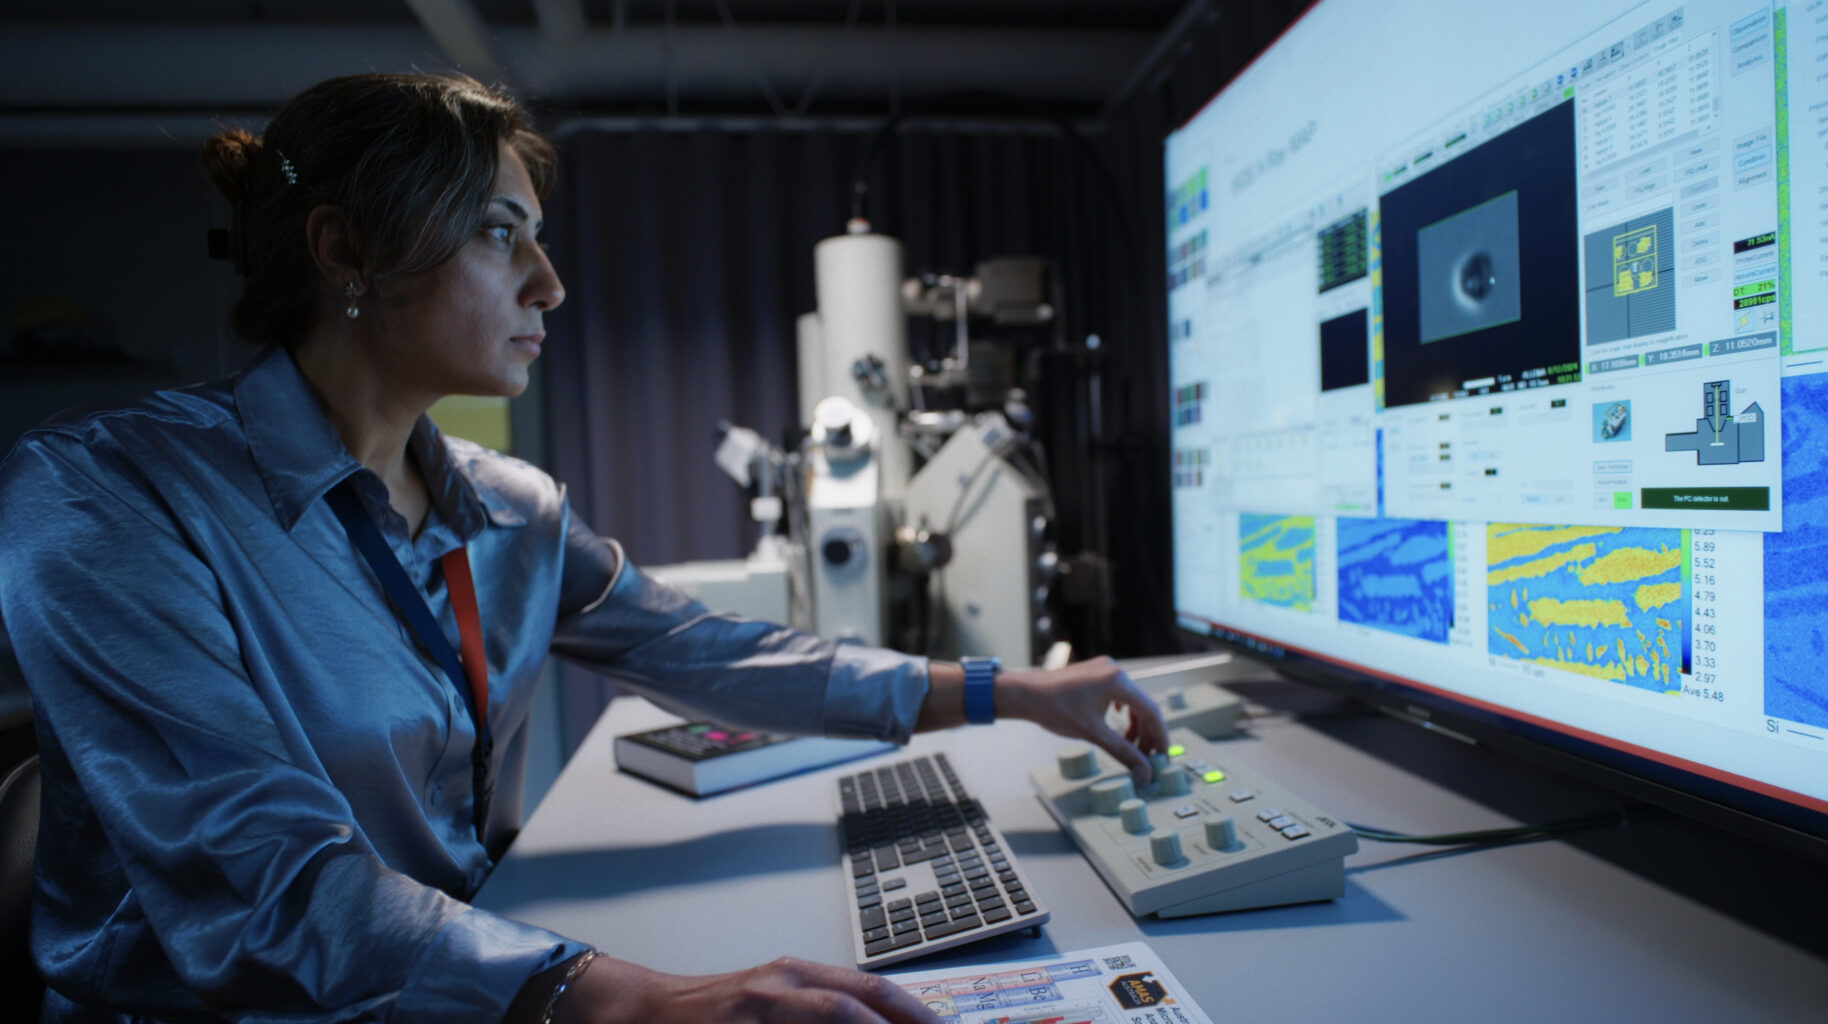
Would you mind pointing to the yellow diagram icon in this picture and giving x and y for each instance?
(1634, 261)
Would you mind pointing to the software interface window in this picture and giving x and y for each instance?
(1488, 363)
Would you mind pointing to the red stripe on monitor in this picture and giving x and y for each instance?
(1667, 760)
(1305, 11)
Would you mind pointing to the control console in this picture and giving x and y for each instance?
(1208, 834)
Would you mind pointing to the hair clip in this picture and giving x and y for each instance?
(286, 168)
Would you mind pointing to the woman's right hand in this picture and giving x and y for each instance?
(787, 991)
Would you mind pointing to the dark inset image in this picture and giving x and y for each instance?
(1631, 278)
(1481, 287)
(1345, 351)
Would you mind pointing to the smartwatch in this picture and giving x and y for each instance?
(980, 689)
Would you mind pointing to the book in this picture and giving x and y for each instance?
(701, 758)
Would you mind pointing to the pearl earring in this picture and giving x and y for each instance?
(352, 312)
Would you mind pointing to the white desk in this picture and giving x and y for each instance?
(1661, 922)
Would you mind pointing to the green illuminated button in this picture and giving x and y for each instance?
(1725, 499)
(1621, 499)
(1176, 750)
(1214, 776)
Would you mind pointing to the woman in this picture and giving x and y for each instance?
(269, 788)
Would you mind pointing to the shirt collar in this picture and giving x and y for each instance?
(300, 456)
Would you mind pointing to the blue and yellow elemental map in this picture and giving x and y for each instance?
(1606, 602)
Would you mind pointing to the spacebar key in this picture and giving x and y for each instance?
(963, 924)
(881, 946)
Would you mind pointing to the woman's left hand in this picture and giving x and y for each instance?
(1072, 701)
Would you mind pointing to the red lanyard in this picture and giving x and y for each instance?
(462, 589)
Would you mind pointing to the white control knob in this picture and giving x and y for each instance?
(1221, 831)
(1173, 782)
(1135, 815)
(1177, 700)
(1109, 794)
(1158, 763)
(1078, 762)
(1165, 846)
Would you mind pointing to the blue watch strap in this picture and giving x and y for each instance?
(980, 689)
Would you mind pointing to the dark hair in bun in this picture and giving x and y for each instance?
(408, 158)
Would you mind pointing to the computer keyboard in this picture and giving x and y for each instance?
(924, 868)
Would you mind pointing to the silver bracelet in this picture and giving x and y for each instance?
(571, 974)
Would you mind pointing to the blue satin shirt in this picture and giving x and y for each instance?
(256, 784)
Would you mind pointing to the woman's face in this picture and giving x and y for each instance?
(474, 325)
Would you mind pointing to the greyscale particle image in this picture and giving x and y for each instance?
(1470, 272)
(1479, 292)
(1397, 575)
(1631, 278)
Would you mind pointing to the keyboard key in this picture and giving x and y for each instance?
(893, 942)
(954, 927)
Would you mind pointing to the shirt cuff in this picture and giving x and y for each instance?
(475, 967)
(874, 693)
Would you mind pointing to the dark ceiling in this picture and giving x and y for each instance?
(643, 58)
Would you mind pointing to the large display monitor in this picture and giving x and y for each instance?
(1497, 339)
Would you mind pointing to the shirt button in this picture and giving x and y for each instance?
(437, 796)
